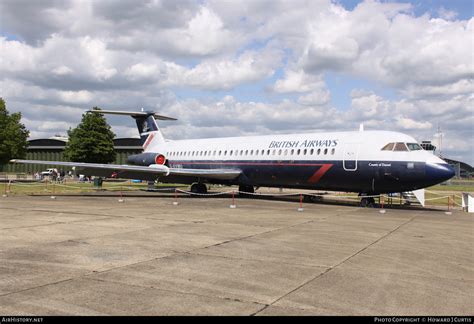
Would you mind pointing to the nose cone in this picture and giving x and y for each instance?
(439, 172)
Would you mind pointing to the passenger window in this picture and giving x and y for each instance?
(298, 152)
(292, 151)
(388, 147)
(311, 151)
(268, 152)
(414, 146)
(319, 151)
(333, 151)
(325, 151)
(400, 147)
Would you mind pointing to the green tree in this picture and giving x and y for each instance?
(13, 135)
(91, 141)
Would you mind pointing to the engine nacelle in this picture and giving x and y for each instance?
(147, 159)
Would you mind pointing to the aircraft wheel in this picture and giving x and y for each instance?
(199, 188)
(367, 202)
(244, 191)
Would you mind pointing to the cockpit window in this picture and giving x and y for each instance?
(400, 147)
(414, 146)
(388, 147)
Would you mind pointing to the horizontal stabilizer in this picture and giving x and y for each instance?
(133, 114)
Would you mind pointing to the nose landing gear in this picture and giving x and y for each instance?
(367, 202)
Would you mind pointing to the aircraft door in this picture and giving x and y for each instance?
(350, 155)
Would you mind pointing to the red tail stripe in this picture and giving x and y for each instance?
(318, 174)
(148, 140)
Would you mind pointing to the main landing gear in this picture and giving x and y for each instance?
(199, 188)
(367, 202)
(245, 190)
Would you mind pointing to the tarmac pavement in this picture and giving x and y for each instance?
(145, 256)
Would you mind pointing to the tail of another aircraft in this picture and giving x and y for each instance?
(150, 134)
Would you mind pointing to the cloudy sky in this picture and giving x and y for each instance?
(226, 68)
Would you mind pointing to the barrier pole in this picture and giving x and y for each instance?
(175, 202)
(53, 196)
(301, 203)
(5, 193)
(233, 200)
(449, 206)
(381, 198)
(121, 196)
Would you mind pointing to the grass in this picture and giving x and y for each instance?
(435, 196)
(16, 188)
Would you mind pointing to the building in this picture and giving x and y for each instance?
(52, 149)
(461, 169)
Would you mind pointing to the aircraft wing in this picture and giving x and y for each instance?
(138, 172)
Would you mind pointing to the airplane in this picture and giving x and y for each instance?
(365, 162)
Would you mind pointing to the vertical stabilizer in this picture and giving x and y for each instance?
(150, 135)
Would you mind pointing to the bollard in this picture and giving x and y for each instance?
(53, 196)
(121, 196)
(449, 205)
(382, 211)
(9, 187)
(300, 209)
(5, 193)
(233, 200)
(175, 202)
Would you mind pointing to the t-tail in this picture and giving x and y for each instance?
(150, 134)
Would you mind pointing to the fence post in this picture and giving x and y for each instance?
(52, 195)
(381, 197)
(175, 202)
(449, 206)
(300, 209)
(121, 196)
(233, 200)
